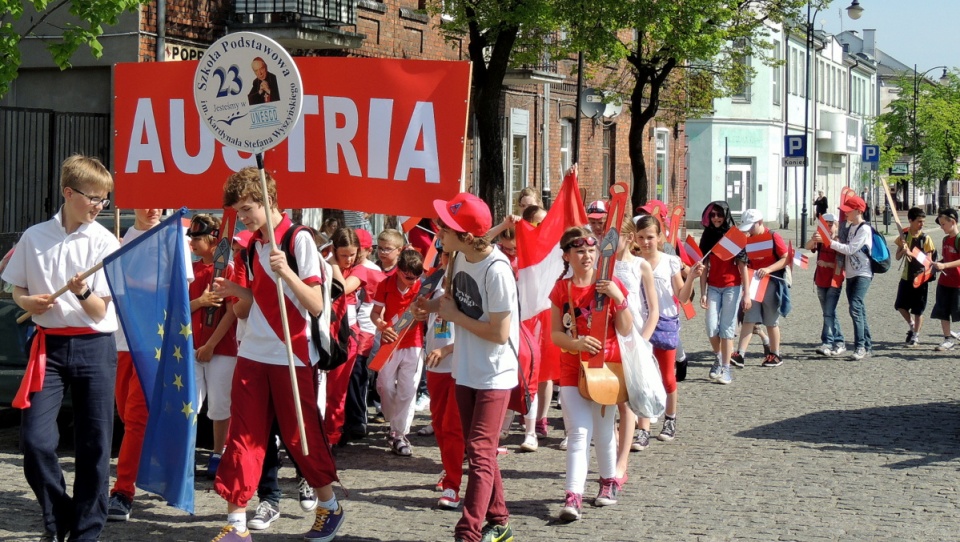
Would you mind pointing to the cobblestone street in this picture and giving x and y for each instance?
(817, 449)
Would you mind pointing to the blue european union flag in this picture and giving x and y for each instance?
(148, 280)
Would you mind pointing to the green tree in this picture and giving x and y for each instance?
(84, 28)
(678, 54)
(935, 144)
(500, 34)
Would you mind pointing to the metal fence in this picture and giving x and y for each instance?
(33, 143)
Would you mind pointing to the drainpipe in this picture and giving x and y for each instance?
(545, 168)
(161, 29)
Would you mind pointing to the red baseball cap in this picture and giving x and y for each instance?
(853, 203)
(366, 240)
(597, 209)
(465, 213)
(243, 237)
(649, 206)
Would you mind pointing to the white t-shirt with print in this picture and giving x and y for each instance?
(629, 274)
(480, 289)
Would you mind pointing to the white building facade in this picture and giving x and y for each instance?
(736, 154)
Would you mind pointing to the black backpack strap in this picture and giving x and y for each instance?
(285, 243)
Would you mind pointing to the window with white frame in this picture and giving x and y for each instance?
(742, 94)
(662, 173)
(777, 56)
(517, 155)
(566, 145)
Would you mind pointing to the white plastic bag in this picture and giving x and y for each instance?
(647, 396)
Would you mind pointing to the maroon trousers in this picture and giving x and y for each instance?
(481, 413)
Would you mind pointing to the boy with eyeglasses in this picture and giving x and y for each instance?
(397, 380)
(389, 244)
(75, 334)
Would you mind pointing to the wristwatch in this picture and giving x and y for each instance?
(85, 294)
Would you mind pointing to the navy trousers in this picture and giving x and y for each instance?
(86, 365)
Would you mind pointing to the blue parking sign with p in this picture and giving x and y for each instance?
(795, 146)
(871, 153)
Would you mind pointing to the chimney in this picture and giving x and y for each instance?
(870, 42)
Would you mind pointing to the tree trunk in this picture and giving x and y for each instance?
(487, 87)
(944, 199)
(640, 115)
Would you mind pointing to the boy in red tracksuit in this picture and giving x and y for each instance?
(263, 391)
(397, 380)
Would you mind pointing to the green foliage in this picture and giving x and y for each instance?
(936, 142)
(675, 55)
(88, 19)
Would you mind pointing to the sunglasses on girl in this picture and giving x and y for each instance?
(580, 242)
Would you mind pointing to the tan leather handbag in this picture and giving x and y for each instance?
(603, 385)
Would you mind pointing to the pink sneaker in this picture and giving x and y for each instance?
(572, 506)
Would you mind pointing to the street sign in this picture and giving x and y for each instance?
(794, 150)
(794, 162)
(900, 169)
(871, 153)
(795, 146)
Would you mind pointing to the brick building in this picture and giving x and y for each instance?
(538, 104)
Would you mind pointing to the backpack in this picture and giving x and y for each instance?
(879, 253)
(330, 332)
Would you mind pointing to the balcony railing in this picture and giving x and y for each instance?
(325, 12)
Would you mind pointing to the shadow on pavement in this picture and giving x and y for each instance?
(929, 431)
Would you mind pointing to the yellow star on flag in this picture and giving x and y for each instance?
(187, 409)
(177, 354)
(160, 330)
(158, 354)
(185, 331)
(178, 382)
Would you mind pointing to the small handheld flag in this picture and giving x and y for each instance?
(758, 287)
(730, 244)
(824, 230)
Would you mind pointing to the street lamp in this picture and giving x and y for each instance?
(854, 11)
(916, 94)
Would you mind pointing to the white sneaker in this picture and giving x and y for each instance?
(859, 354)
(947, 344)
(956, 335)
(563, 444)
(824, 349)
(530, 444)
(423, 403)
(838, 350)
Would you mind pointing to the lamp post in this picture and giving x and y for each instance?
(854, 11)
(916, 95)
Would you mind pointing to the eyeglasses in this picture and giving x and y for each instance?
(93, 200)
(580, 242)
(386, 250)
(716, 215)
(410, 277)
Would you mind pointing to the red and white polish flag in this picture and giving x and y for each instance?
(730, 244)
(758, 287)
(539, 258)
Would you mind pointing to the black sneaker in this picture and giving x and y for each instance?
(736, 359)
(119, 507)
(909, 338)
(772, 360)
(492, 532)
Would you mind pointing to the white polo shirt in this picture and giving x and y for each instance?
(47, 257)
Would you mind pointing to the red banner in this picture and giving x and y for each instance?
(376, 135)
